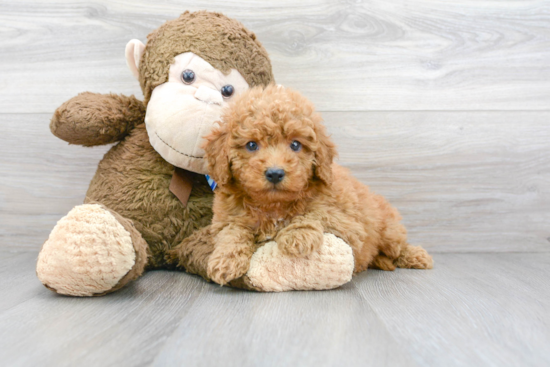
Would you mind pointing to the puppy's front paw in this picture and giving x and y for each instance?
(227, 264)
(300, 241)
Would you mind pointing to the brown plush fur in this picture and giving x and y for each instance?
(133, 180)
(315, 196)
(95, 119)
(223, 42)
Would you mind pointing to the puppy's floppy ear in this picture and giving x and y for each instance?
(216, 150)
(325, 153)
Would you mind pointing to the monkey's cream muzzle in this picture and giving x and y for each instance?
(180, 114)
(176, 121)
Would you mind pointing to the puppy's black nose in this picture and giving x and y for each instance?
(274, 175)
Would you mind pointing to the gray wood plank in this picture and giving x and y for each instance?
(122, 329)
(41, 179)
(234, 328)
(464, 181)
(18, 281)
(375, 55)
(471, 310)
(180, 318)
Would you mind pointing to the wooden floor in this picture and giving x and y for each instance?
(470, 310)
(441, 106)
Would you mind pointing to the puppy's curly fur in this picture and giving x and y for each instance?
(314, 196)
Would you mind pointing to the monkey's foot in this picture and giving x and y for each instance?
(91, 251)
(329, 267)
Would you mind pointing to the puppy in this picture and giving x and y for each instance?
(272, 160)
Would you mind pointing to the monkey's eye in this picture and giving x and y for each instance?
(251, 146)
(188, 76)
(227, 90)
(296, 146)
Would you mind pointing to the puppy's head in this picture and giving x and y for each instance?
(270, 144)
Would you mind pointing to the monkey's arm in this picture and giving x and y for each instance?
(95, 119)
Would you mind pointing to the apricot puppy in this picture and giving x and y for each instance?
(272, 160)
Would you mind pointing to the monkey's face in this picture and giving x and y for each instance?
(183, 110)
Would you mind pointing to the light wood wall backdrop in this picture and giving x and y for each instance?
(442, 106)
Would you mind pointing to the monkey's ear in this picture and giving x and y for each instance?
(324, 155)
(216, 150)
(134, 50)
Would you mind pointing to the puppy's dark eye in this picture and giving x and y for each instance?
(227, 90)
(296, 146)
(188, 76)
(251, 146)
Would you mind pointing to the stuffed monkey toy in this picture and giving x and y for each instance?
(149, 204)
